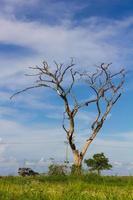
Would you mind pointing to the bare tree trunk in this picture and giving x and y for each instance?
(77, 159)
(77, 156)
(77, 166)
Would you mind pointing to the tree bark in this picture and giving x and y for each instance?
(77, 166)
(77, 158)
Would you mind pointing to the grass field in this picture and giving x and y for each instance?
(66, 188)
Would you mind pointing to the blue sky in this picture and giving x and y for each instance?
(92, 32)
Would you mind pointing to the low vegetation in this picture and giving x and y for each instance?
(85, 187)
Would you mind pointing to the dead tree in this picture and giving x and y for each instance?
(105, 84)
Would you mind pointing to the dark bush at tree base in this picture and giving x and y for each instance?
(56, 169)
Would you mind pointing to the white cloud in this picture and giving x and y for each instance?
(72, 41)
(90, 44)
(21, 139)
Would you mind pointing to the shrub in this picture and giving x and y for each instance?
(55, 169)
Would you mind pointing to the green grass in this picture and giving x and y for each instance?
(66, 188)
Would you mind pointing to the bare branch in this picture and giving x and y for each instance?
(86, 103)
(63, 124)
(72, 83)
(24, 90)
(102, 91)
(66, 69)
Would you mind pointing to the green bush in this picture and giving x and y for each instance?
(55, 169)
(98, 163)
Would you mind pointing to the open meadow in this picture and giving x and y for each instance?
(85, 187)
